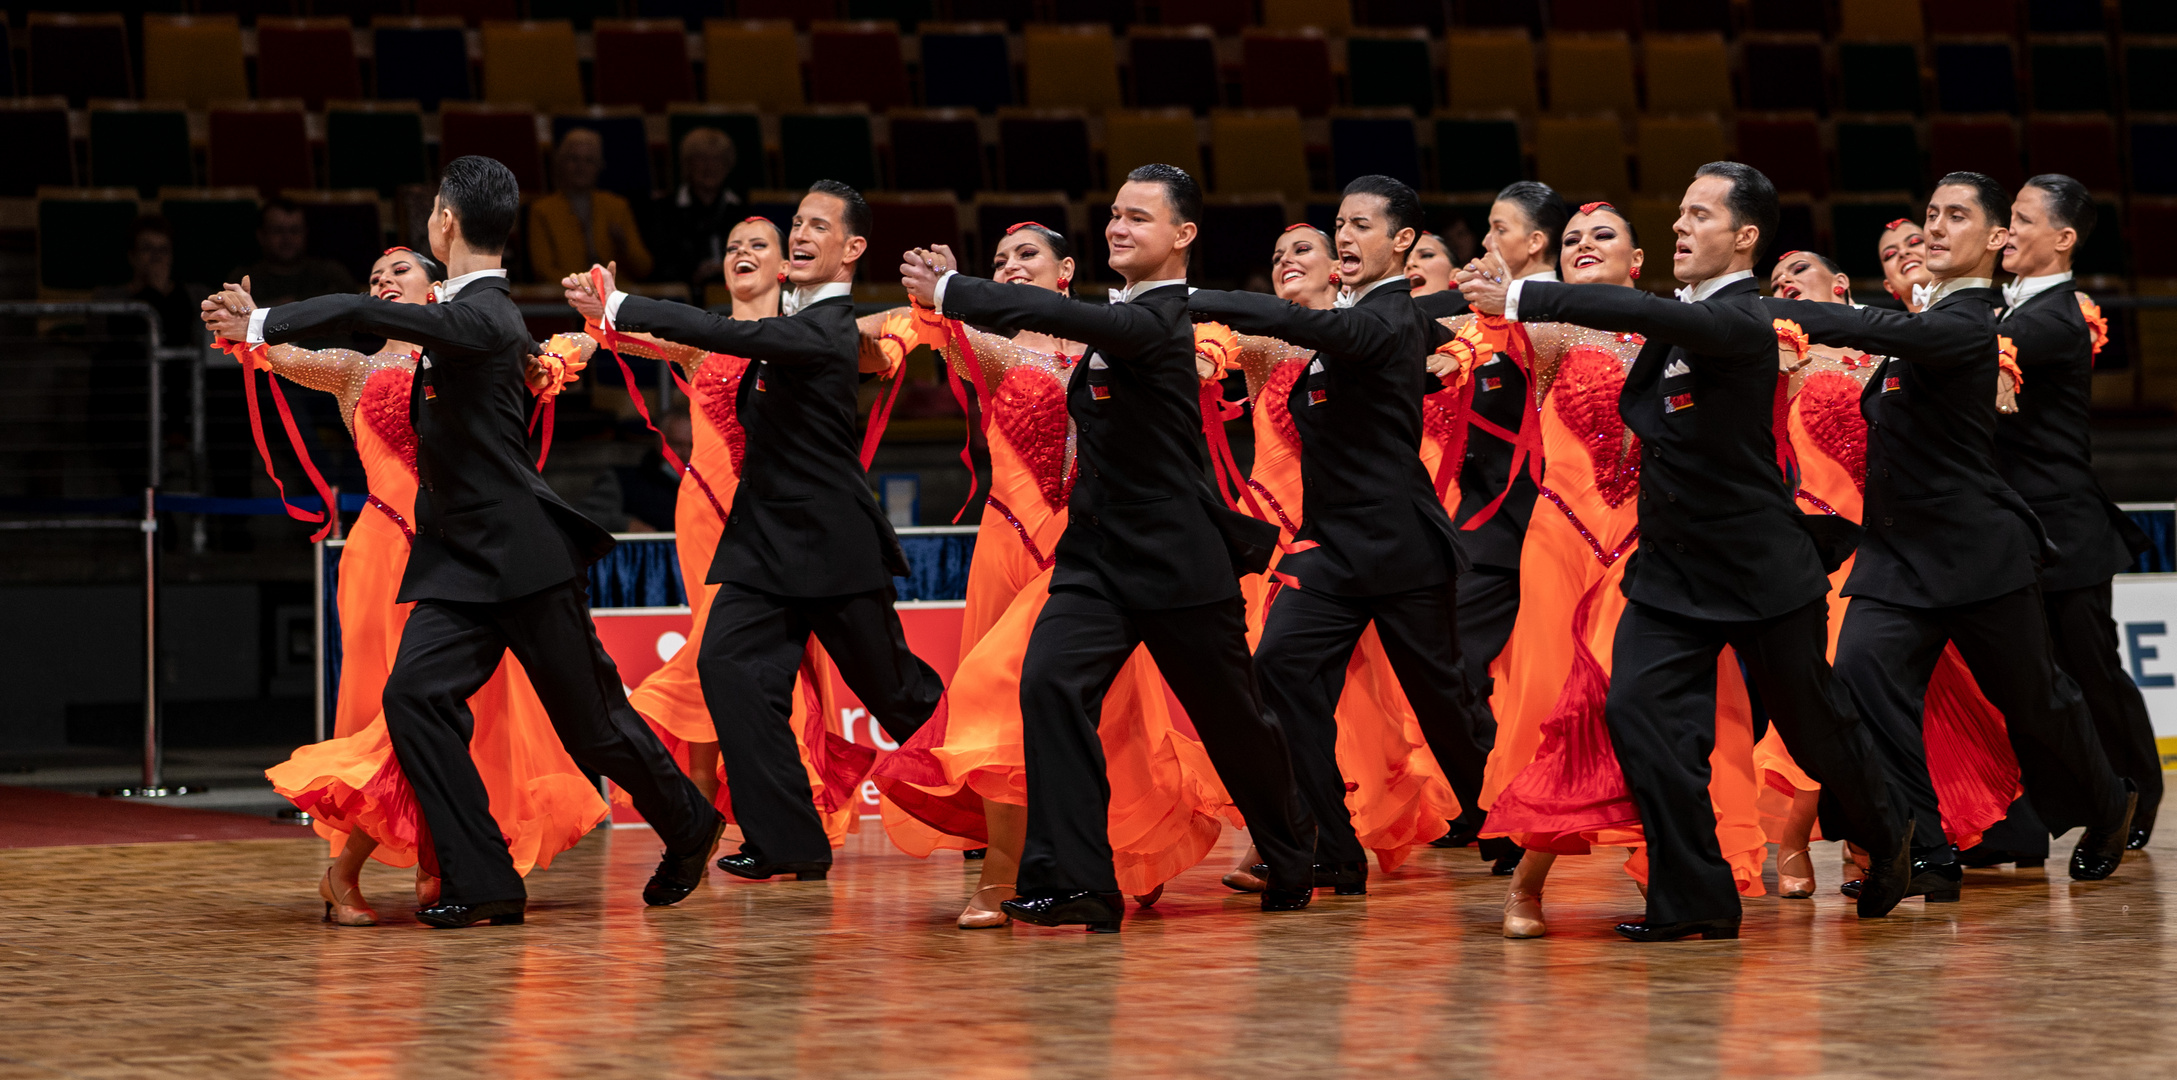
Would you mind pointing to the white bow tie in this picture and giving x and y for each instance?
(1922, 295)
(790, 302)
(1684, 293)
(2011, 291)
(1345, 299)
(1119, 296)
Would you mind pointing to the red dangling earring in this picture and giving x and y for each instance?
(1064, 283)
(1334, 278)
(782, 277)
(1839, 290)
(1636, 273)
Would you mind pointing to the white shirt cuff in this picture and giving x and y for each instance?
(612, 308)
(939, 294)
(257, 326)
(1511, 300)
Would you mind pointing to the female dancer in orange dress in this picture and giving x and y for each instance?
(351, 785)
(1396, 792)
(671, 698)
(962, 783)
(1553, 783)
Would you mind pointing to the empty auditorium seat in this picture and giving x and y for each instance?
(193, 58)
(827, 143)
(1391, 67)
(1224, 16)
(1978, 76)
(2064, 16)
(1784, 74)
(1971, 17)
(1879, 76)
(505, 132)
(260, 144)
(374, 144)
(78, 57)
(343, 226)
(1237, 235)
(83, 237)
(691, 13)
(1490, 70)
(1785, 16)
(1788, 149)
(857, 63)
(966, 65)
(2084, 147)
(1880, 20)
(1856, 226)
(1590, 72)
(756, 61)
(1671, 147)
(1687, 73)
(1427, 14)
(1987, 144)
(1694, 17)
(144, 146)
(1652, 218)
(582, 14)
(2150, 76)
(1135, 138)
(1329, 16)
(532, 63)
(2153, 147)
(1287, 69)
(1174, 66)
(641, 62)
(910, 219)
(741, 124)
(472, 12)
(1874, 156)
(1045, 150)
(36, 130)
(1071, 67)
(7, 61)
(937, 150)
(1366, 141)
(802, 13)
(214, 230)
(2070, 76)
(1258, 150)
(2149, 17)
(425, 60)
(1595, 16)
(627, 146)
(1478, 153)
(309, 59)
(1581, 156)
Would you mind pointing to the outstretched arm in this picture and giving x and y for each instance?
(1938, 337)
(449, 329)
(1700, 328)
(1350, 333)
(1118, 331)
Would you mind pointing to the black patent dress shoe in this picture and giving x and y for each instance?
(743, 864)
(1891, 877)
(1981, 856)
(2138, 840)
(1465, 829)
(975, 853)
(1505, 864)
(1726, 929)
(1939, 882)
(678, 875)
(2101, 850)
(1286, 899)
(1343, 878)
(1098, 912)
(444, 916)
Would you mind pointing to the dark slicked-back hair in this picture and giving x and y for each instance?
(1752, 200)
(484, 197)
(1180, 189)
(1993, 199)
(2068, 203)
(1400, 204)
(1545, 210)
(859, 221)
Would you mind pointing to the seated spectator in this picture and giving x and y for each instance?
(282, 274)
(578, 225)
(151, 267)
(688, 227)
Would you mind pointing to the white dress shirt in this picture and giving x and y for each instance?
(2026, 288)
(1511, 292)
(1926, 296)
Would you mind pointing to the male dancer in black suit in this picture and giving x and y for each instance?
(1725, 558)
(1952, 553)
(1374, 545)
(806, 549)
(1150, 556)
(496, 564)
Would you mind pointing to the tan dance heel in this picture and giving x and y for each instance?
(338, 911)
(1523, 915)
(977, 917)
(1794, 886)
(1250, 876)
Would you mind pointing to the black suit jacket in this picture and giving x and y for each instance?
(1942, 526)
(2044, 450)
(1720, 537)
(487, 527)
(1366, 500)
(1441, 305)
(1144, 529)
(803, 521)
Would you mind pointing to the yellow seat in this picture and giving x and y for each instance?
(1590, 72)
(1880, 20)
(1490, 70)
(756, 61)
(1072, 67)
(1671, 147)
(1138, 137)
(1582, 157)
(1332, 16)
(1259, 150)
(532, 62)
(193, 58)
(1688, 73)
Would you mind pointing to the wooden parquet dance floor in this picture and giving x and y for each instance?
(208, 959)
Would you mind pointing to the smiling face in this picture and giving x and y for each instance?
(1707, 241)
(1598, 250)
(2037, 244)
(1144, 233)
(1904, 250)
(1428, 265)
(1025, 258)
(819, 249)
(1515, 239)
(753, 260)
(1961, 238)
(1300, 268)
(400, 277)
(1800, 276)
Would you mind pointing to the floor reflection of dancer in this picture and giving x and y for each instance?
(963, 784)
(351, 785)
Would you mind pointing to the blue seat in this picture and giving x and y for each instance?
(1975, 77)
(966, 69)
(420, 60)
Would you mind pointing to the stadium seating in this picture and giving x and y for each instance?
(193, 58)
(1490, 70)
(1688, 73)
(343, 226)
(1875, 155)
(1478, 153)
(1981, 144)
(374, 144)
(312, 60)
(260, 144)
(1879, 76)
(1072, 67)
(937, 150)
(1255, 150)
(755, 61)
(144, 145)
(1045, 150)
(1978, 76)
(79, 57)
(1591, 72)
(1387, 68)
(420, 59)
(1582, 157)
(966, 65)
(741, 123)
(2084, 147)
(214, 230)
(910, 219)
(1788, 149)
(627, 146)
(1373, 141)
(1174, 66)
(1672, 147)
(830, 142)
(505, 132)
(857, 63)
(37, 129)
(1287, 70)
(83, 238)
(1784, 74)
(642, 62)
(532, 63)
(1134, 138)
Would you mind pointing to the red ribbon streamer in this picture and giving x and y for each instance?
(642, 407)
(1527, 443)
(323, 519)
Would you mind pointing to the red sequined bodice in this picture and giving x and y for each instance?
(1829, 406)
(717, 385)
(1275, 392)
(383, 405)
(1029, 408)
(1586, 391)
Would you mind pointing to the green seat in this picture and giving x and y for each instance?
(374, 149)
(1387, 72)
(212, 236)
(145, 149)
(1478, 155)
(827, 146)
(83, 241)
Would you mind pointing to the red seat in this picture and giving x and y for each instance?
(857, 63)
(2082, 147)
(918, 219)
(507, 134)
(641, 62)
(1287, 69)
(473, 12)
(78, 57)
(1970, 17)
(311, 59)
(1787, 149)
(1982, 144)
(263, 144)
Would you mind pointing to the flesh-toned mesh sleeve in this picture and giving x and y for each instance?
(997, 355)
(339, 372)
(1259, 356)
(689, 357)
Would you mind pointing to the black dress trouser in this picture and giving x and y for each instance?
(1662, 718)
(448, 651)
(1079, 643)
(1887, 652)
(753, 643)
(2085, 636)
(1307, 641)
(1488, 606)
